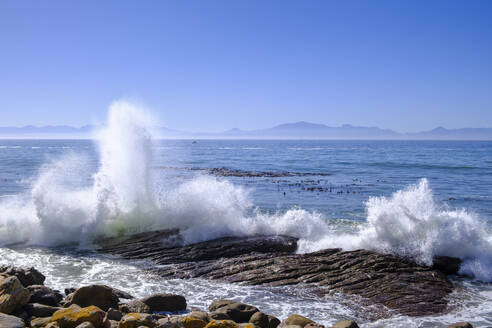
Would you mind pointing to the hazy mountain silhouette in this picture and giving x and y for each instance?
(298, 130)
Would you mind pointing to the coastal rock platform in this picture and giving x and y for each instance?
(397, 283)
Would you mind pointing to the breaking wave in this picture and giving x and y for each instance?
(122, 197)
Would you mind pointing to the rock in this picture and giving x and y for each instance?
(218, 304)
(86, 324)
(9, 321)
(313, 325)
(52, 325)
(296, 320)
(221, 324)
(135, 320)
(165, 302)
(112, 324)
(246, 325)
(134, 307)
(263, 320)
(219, 316)
(461, 324)
(122, 294)
(113, 314)
(74, 315)
(202, 315)
(239, 312)
(12, 294)
(44, 295)
(189, 322)
(446, 264)
(40, 322)
(385, 279)
(273, 321)
(345, 324)
(27, 277)
(99, 295)
(40, 310)
(69, 290)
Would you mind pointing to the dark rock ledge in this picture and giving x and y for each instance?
(397, 283)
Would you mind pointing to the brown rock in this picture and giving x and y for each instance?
(12, 294)
(40, 310)
(44, 295)
(296, 320)
(27, 277)
(74, 315)
(99, 295)
(165, 302)
(461, 324)
(345, 324)
(134, 307)
(135, 320)
(9, 321)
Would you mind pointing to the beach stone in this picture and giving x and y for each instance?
(12, 294)
(135, 320)
(461, 324)
(44, 295)
(345, 324)
(202, 315)
(165, 302)
(263, 320)
(27, 277)
(296, 320)
(9, 321)
(218, 304)
(239, 312)
(101, 296)
(40, 310)
(40, 322)
(222, 324)
(134, 307)
(113, 314)
(75, 315)
(219, 316)
(189, 322)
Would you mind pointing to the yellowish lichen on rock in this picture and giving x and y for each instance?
(222, 324)
(135, 320)
(189, 322)
(74, 316)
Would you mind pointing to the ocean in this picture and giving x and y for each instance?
(410, 198)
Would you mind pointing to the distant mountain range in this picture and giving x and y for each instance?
(299, 130)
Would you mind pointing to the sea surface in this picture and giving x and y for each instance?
(414, 198)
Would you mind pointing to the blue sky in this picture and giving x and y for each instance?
(214, 65)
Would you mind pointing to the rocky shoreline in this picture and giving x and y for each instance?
(26, 302)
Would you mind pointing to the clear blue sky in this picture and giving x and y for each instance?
(213, 65)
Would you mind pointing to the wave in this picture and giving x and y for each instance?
(123, 197)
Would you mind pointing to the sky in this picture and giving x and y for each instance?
(212, 65)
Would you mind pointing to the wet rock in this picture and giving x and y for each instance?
(99, 295)
(75, 315)
(27, 277)
(122, 294)
(12, 294)
(113, 314)
(447, 264)
(40, 322)
(9, 321)
(40, 310)
(263, 320)
(112, 324)
(165, 302)
(238, 312)
(385, 279)
(86, 324)
(44, 295)
(296, 320)
(219, 303)
(135, 320)
(202, 315)
(461, 325)
(219, 316)
(69, 291)
(221, 324)
(134, 307)
(345, 324)
(189, 322)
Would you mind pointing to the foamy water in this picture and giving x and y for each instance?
(65, 203)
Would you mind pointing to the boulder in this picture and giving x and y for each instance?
(246, 325)
(86, 324)
(165, 302)
(27, 277)
(296, 320)
(239, 312)
(40, 322)
(44, 295)
(134, 307)
(9, 321)
(189, 322)
(74, 315)
(222, 324)
(202, 315)
(99, 295)
(112, 324)
(122, 294)
(263, 320)
(219, 316)
(135, 320)
(40, 310)
(461, 324)
(113, 314)
(12, 294)
(218, 304)
(345, 324)
(446, 264)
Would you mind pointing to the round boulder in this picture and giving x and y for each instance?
(165, 302)
(101, 296)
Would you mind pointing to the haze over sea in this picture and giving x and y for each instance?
(410, 198)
